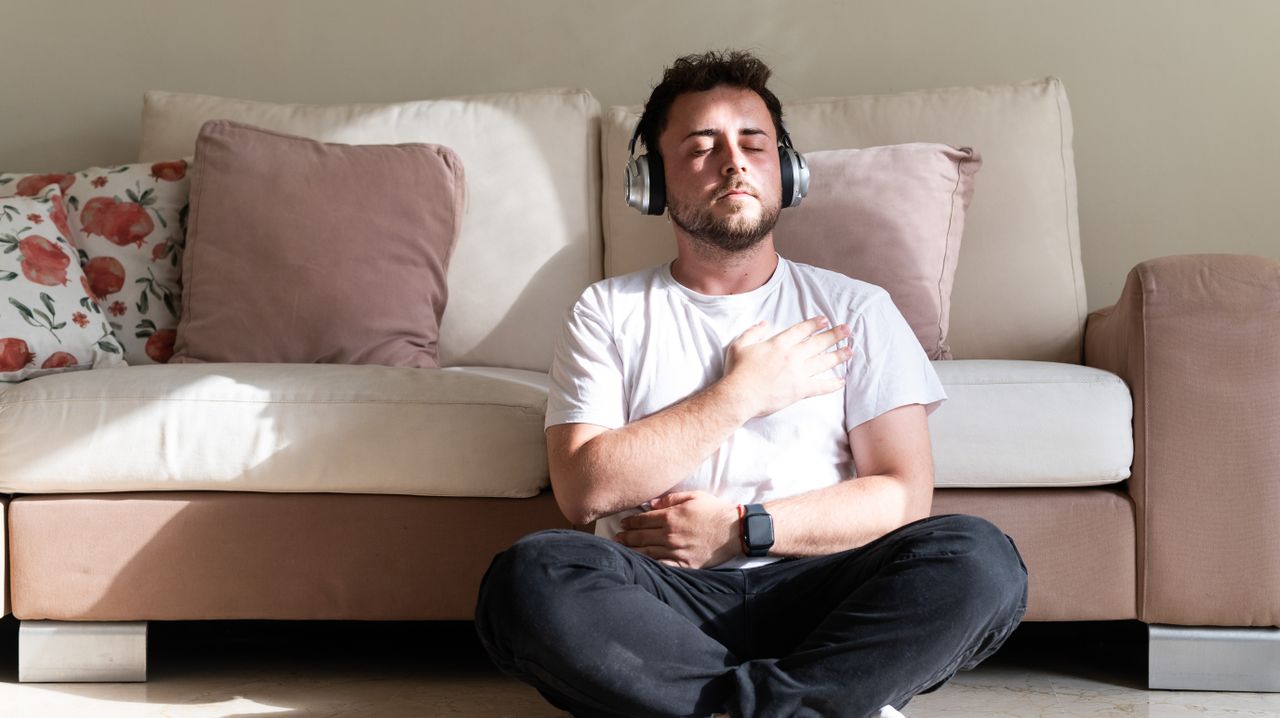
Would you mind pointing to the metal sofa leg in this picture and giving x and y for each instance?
(82, 652)
(1211, 658)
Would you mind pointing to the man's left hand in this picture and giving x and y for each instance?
(689, 529)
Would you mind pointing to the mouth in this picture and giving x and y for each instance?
(736, 193)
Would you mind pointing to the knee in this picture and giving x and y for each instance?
(986, 574)
(529, 573)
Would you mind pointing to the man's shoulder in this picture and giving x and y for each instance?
(837, 288)
(624, 283)
(606, 296)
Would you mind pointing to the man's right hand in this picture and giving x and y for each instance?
(774, 373)
(598, 471)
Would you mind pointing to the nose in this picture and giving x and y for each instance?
(735, 162)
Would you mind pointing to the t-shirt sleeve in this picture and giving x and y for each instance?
(586, 385)
(889, 368)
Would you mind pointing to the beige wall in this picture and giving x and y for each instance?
(1176, 102)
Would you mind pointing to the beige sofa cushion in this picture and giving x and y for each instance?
(530, 236)
(473, 431)
(1011, 424)
(274, 427)
(1019, 286)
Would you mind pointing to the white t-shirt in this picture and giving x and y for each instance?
(636, 344)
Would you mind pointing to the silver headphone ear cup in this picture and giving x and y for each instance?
(643, 185)
(802, 186)
(636, 184)
(795, 176)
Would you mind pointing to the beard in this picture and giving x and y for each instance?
(733, 233)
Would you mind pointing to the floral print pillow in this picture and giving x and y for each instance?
(129, 224)
(50, 321)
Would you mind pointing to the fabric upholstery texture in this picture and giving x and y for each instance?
(1077, 544)
(891, 216)
(303, 251)
(230, 555)
(50, 322)
(274, 427)
(530, 239)
(1196, 337)
(1021, 236)
(1030, 424)
(128, 223)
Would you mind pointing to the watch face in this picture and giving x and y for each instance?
(760, 530)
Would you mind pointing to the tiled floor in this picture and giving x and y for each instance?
(352, 669)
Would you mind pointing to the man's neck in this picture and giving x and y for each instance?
(715, 272)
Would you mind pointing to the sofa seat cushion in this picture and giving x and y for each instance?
(276, 427)
(473, 431)
(1030, 424)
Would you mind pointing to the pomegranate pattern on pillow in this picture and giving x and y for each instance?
(50, 321)
(129, 224)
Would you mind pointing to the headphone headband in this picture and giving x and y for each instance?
(631, 146)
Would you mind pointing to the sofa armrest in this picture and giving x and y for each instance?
(1197, 339)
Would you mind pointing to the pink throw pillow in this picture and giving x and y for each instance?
(891, 216)
(303, 251)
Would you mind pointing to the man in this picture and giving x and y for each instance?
(685, 397)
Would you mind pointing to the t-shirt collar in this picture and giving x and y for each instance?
(726, 301)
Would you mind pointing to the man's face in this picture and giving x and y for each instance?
(720, 156)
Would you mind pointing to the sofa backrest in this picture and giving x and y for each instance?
(1019, 286)
(530, 239)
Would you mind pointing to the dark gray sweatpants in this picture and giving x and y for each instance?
(602, 630)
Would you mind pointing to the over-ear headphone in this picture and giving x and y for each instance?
(646, 187)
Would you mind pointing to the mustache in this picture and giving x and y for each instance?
(736, 186)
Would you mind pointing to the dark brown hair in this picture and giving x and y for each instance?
(699, 73)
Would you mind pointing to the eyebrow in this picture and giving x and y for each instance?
(712, 133)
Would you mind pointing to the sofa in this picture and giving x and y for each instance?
(1130, 452)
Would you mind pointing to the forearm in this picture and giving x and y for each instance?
(852, 513)
(625, 467)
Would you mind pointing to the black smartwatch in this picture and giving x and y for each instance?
(755, 530)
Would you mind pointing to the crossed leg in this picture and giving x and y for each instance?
(601, 630)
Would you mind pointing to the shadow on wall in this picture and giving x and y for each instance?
(530, 244)
(527, 322)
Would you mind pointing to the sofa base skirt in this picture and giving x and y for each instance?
(216, 555)
(1078, 545)
(235, 555)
